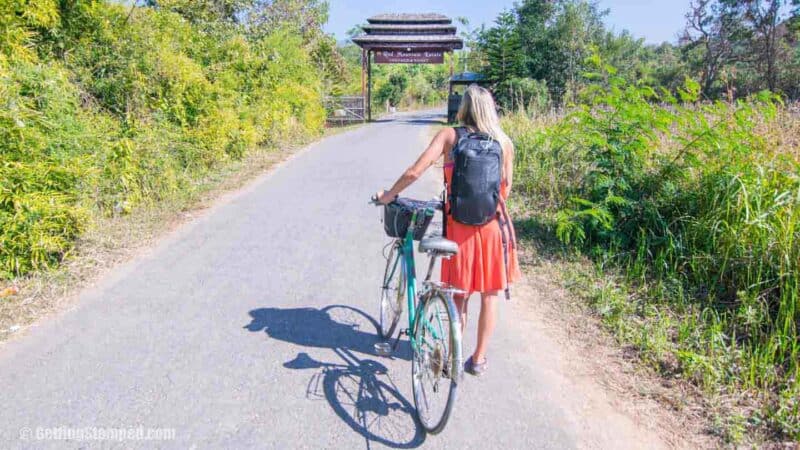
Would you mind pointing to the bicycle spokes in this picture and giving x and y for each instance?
(433, 362)
(392, 293)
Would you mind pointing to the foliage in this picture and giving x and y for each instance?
(392, 91)
(44, 143)
(503, 48)
(401, 84)
(543, 40)
(736, 48)
(19, 19)
(426, 84)
(524, 94)
(106, 107)
(699, 205)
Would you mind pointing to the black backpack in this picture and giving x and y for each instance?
(475, 186)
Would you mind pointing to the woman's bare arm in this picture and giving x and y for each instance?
(435, 150)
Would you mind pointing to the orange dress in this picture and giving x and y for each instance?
(479, 265)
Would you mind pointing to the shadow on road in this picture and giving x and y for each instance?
(333, 327)
(428, 119)
(359, 390)
(363, 395)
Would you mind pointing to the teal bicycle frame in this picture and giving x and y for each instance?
(434, 329)
(407, 253)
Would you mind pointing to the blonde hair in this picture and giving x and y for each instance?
(478, 111)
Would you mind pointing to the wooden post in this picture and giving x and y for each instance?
(369, 85)
(363, 73)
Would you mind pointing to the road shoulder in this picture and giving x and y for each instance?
(615, 403)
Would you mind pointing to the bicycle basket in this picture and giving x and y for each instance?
(397, 217)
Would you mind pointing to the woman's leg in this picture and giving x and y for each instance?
(461, 306)
(486, 324)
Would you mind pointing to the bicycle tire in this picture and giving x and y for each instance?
(388, 404)
(436, 303)
(393, 293)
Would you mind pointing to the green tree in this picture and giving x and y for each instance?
(668, 68)
(712, 39)
(533, 19)
(502, 47)
(204, 10)
(576, 30)
(764, 19)
(393, 90)
(544, 40)
(304, 16)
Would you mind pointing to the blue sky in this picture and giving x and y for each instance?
(654, 20)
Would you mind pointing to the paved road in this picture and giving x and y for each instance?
(252, 327)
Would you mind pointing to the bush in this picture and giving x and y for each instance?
(393, 90)
(45, 143)
(699, 205)
(102, 111)
(523, 94)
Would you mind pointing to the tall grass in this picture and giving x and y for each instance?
(104, 109)
(698, 204)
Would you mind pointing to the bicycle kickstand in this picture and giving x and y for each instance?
(383, 349)
(397, 339)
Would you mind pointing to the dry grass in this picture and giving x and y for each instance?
(673, 409)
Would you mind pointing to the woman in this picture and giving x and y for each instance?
(479, 265)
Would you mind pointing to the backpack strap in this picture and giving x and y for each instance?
(461, 133)
(502, 223)
(509, 239)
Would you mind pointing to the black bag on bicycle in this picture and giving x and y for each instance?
(397, 217)
(477, 171)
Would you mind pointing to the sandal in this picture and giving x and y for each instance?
(474, 369)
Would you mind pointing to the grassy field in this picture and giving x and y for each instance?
(689, 214)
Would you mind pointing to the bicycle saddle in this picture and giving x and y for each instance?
(438, 245)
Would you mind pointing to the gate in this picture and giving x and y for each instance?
(345, 110)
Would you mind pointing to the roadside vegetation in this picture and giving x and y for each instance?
(108, 107)
(671, 170)
(693, 208)
(674, 172)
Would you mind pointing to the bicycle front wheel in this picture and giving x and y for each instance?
(393, 292)
(436, 361)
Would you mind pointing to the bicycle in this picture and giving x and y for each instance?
(434, 328)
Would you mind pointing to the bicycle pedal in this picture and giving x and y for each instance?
(383, 349)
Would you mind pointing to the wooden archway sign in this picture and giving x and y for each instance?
(404, 39)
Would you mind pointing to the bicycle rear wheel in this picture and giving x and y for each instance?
(436, 361)
(393, 292)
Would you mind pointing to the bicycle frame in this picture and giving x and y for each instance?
(407, 253)
(434, 331)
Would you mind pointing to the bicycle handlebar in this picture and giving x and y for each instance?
(438, 205)
(374, 200)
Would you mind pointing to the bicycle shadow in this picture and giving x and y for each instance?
(359, 390)
(362, 394)
(312, 327)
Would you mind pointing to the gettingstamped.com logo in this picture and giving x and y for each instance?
(138, 433)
